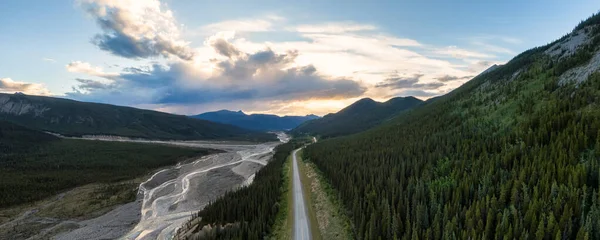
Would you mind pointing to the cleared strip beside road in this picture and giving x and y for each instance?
(301, 225)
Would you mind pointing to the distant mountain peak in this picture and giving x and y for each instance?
(358, 116)
(261, 122)
(491, 68)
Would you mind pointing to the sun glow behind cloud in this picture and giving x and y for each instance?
(321, 68)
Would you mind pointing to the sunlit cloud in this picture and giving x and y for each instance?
(87, 68)
(456, 52)
(321, 67)
(137, 29)
(8, 85)
(263, 24)
(333, 27)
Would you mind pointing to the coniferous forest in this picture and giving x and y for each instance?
(512, 154)
(35, 165)
(249, 212)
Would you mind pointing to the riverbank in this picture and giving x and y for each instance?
(164, 200)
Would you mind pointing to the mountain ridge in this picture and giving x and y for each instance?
(358, 116)
(74, 118)
(258, 122)
(513, 153)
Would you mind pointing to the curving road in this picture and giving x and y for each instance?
(301, 226)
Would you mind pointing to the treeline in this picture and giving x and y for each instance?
(35, 165)
(506, 156)
(249, 212)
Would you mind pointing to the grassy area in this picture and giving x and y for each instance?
(330, 217)
(48, 168)
(311, 204)
(285, 218)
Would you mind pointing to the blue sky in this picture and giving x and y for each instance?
(188, 56)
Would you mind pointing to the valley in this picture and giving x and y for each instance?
(165, 199)
(301, 120)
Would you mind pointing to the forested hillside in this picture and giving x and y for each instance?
(75, 118)
(36, 165)
(258, 122)
(359, 116)
(512, 154)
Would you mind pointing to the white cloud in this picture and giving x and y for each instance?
(250, 25)
(137, 29)
(456, 52)
(326, 63)
(493, 48)
(87, 68)
(240, 75)
(333, 27)
(49, 60)
(8, 85)
(253, 25)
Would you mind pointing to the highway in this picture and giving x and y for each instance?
(301, 225)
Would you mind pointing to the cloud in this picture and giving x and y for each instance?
(261, 75)
(8, 85)
(397, 82)
(137, 29)
(87, 68)
(418, 93)
(223, 47)
(456, 52)
(448, 78)
(49, 60)
(92, 85)
(309, 63)
(333, 27)
(493, 48)
(241, 25)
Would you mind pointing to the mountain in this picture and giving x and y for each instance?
(73, 118)
(258, 122)
(514, 153)
(359, 116)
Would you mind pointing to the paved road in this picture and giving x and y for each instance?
(301, 226)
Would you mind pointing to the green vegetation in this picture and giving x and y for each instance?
(329, 215)
(36, 165)
(510, 154)
(359, 116)
(73, 118)
(283, 227)
(248, 213)
(258, 122)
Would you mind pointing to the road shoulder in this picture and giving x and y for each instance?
(308, 199)
(284, 222)
(327, 216)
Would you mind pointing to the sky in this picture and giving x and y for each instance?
(279, 57)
